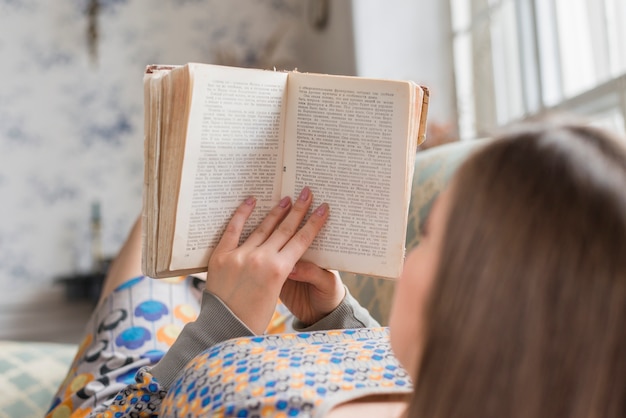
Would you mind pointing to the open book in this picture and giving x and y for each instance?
(215, 135)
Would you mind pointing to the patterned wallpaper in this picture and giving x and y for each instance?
(71, 128)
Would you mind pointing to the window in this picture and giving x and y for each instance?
(518, 58)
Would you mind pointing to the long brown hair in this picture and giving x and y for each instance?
(527, 316)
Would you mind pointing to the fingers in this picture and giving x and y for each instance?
(288, 227)
(265, 229)
(301, 241)
(230, 238)
(285, 237)
(311, 273)
(312, 292)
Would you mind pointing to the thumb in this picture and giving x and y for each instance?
(310, 273)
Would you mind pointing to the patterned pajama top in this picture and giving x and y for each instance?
(133, 363)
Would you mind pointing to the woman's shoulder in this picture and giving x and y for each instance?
(289, 345)
(288, 372)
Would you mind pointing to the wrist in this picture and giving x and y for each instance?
(216, 323)
(314, 321)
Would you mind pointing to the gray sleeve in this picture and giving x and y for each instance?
(349, 314)
(216, 323)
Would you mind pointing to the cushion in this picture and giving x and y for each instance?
(30, 374)
(433, 169)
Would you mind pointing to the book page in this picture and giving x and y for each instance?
(348, 139)
(233, 150)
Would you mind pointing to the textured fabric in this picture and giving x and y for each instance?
(281, 375)
(144, 334)
(30, 373)
(286, 375)
(132, 328)
(216, 323)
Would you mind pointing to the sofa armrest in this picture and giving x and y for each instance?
(30, 374)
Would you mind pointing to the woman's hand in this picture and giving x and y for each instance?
(249, 278)
(311, 292)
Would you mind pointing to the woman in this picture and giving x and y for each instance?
(527, 315)
(514, 303)
(138, 321)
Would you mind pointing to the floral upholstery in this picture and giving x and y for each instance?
(30, 374)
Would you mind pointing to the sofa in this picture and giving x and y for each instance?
(31, 372)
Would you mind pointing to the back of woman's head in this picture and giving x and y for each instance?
(528, 312)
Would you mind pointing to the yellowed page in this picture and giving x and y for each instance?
(233, 150)
(349, 139)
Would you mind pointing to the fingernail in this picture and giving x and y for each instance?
(285, 202)
(304, 194)
(322, 209)
(250, 201)
(293, 271)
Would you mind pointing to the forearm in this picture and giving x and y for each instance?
(127, 263)
(216, 323)
(348, 314)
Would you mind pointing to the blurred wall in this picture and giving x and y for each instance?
(408, 40)
(71, 124)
